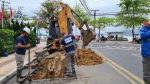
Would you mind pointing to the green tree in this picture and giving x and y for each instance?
(39, 23)
(47, 9)
(91, 22)
(6, 40)
(81, 12)
(22, 25)
(102, 22)
(28, 25)
(133, 13)
(32, 38)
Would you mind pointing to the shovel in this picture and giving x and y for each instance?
(29, 68)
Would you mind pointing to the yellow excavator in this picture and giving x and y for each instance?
(63, 23)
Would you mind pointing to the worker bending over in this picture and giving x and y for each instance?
(67, 43)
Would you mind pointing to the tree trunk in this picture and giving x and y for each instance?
(99, 34)
(133, 28)
(133, 33)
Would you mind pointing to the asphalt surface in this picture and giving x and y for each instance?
(127, 55)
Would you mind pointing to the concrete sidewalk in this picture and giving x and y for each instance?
(8, 64)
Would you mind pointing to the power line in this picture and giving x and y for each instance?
(115, 13)
(107, 13)
(85, 6)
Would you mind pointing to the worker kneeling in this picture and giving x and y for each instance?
(67, 43)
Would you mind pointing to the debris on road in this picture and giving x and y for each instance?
(88, 57)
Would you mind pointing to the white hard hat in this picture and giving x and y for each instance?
(26, 30)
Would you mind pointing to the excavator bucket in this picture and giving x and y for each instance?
(87, 36)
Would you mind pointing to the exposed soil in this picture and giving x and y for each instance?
(53, 66)
(87, 57)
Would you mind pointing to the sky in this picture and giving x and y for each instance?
(31, 6)
(105, 6)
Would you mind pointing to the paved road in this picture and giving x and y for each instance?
(125, 54)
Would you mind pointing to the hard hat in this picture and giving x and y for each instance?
(26, 30)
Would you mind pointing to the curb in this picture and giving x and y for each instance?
(8, 76)
(11, 74)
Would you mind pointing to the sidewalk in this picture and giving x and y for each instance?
(8, 64)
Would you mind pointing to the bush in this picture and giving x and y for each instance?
(6, 40)
(7, 37)
(32, 38)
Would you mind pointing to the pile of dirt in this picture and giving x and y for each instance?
(52, 66)
(87, 57)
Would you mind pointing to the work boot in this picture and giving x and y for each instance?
(68, 75)
(18, 73)
(19, 76)
(22, 76)
(74, 72)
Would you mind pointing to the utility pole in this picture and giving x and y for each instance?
(3, 4)
(3, 14)
(94, 16)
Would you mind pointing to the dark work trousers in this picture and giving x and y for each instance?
(70, 62)
(146, 70)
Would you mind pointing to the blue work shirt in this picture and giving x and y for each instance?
(22, 40)
(145, 41)
(68, 42)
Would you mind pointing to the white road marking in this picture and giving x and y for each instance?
(137, 55)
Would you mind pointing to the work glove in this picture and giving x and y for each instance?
(28, 45)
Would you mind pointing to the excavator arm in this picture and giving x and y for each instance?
(67, 13)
